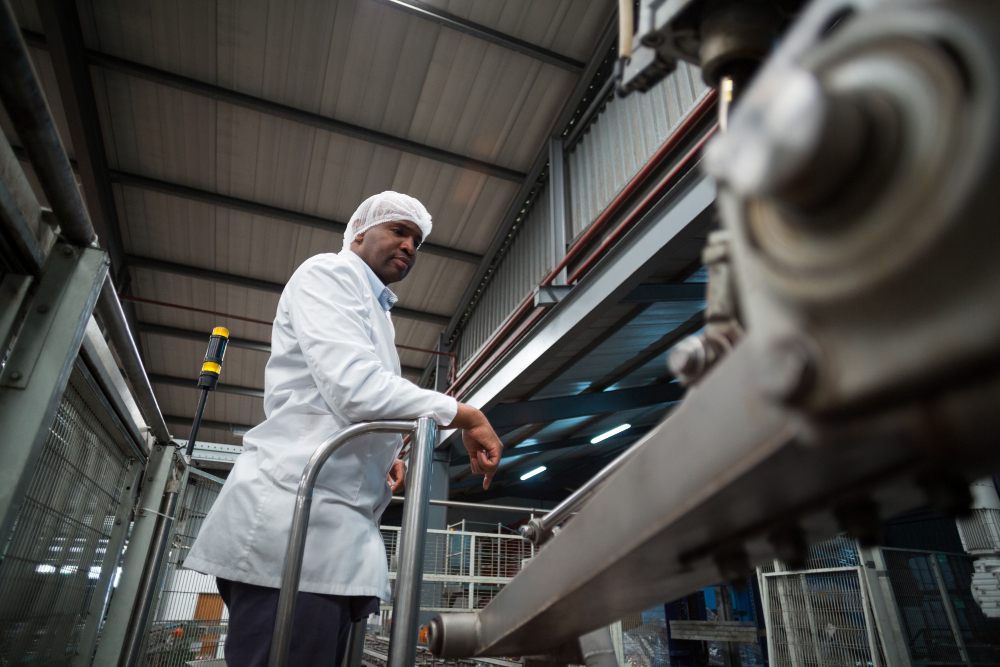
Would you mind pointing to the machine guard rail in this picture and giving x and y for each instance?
(403, 640)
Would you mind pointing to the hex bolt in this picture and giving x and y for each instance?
(788, 370)
(16, 375)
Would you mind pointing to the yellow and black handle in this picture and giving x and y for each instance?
(211, 369)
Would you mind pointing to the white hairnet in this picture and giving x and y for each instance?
(386, 207)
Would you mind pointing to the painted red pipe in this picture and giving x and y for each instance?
(625, 224)
(671, 142)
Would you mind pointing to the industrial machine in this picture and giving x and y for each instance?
(849, 368)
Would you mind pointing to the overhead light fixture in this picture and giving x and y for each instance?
(607, 434)
(531, 473)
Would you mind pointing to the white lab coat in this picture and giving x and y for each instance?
(333, 363)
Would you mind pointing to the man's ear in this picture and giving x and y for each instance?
(358, 238)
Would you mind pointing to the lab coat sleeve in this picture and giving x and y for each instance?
(327, 310)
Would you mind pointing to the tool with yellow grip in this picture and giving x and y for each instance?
(211, 369)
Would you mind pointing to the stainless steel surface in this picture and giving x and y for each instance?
(697, 487)
(403, 638)
(355, 644)
(824, 230)
(300, 522)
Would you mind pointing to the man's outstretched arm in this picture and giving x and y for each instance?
(480, 440)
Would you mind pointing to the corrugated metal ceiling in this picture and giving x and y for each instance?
(362, 62)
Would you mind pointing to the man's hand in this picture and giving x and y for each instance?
(397, 476)
(480, 441)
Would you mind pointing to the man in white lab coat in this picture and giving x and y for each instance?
(333, 363)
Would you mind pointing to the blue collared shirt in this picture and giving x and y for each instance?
(386, 297)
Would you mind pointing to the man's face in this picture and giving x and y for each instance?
(390, 249)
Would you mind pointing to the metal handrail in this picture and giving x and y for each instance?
(403, 640)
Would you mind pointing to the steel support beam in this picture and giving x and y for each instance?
(234, 428)
(76, 91)
(611, 280)
(266, 210)
(250, 282)
(545, 410)
(242, 343)
(192, 383)
(295, 115)
(479, 31)
(202, 337)
(665, 292)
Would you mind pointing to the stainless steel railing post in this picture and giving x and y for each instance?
(281, 639)
(413, 535)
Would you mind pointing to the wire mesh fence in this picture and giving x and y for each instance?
(58, 565)
(189, 618)
(462, 570)
(941, 621)
(818, 617)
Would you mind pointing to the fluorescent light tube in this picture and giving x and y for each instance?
(607, 434)
(532, 473)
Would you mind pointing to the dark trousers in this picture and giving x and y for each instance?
(320, 625)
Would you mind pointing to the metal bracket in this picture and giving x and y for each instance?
(549, 295)
(54, 288)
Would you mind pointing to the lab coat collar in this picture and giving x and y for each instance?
(385, 296)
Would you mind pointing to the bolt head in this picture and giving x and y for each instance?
(16, 375)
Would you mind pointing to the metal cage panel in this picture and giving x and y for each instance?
(190, 621)
(819, 617)
(57, 567)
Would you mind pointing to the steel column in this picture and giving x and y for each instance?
(110, 649)
(412, 536)
(557, 205)
(485, 33)
(153, 565)
(106, 580)
(250, 282)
